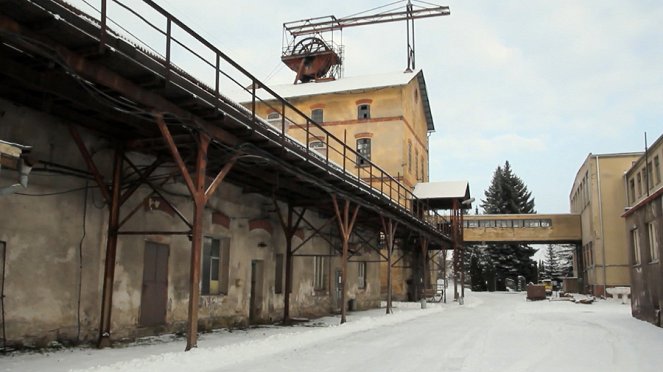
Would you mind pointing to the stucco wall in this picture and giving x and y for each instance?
(52, 250)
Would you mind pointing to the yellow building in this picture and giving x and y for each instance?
(385, 118)
(598, 195)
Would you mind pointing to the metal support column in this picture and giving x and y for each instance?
(346, 224)
(111, 250)
(289, 230)
(389, 228)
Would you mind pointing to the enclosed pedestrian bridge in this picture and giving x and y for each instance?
(522, 228)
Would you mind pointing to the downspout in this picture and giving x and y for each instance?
(598, 178)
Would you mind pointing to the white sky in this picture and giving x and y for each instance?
(539, 83)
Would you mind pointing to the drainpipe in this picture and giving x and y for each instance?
(598, 177)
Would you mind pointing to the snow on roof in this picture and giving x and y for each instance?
(441, 194)
(352, 84)
(345, 84)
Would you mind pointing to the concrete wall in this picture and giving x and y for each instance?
(55, 245)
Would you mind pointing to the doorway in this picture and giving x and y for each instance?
(256, 298)
(338, 279)
(154, 294)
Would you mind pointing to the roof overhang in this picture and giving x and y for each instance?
(441, 195)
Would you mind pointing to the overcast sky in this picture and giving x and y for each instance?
(538, 83)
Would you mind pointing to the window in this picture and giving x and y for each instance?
(472, 223)
(635, 241)
(319, 273)
(631, 193)
(416, 165)
(517, 223)
(317, 115)
(274, 118)
(653, 244)
(409, 156)
(503, 223)
(363, 112)
(532, 223)
(361, 274)
(363, 151)
(546, 223)
(318, 146)
(423, 177)
(215, 256)
(639, 178)
(487, 223)
(650, 176)
(278, 272)
(657, 169)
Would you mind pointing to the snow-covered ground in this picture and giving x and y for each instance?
(491, 332)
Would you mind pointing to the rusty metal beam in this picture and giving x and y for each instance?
(346, 224)
(91, 166)
(316, 231)
(111, 250)
(389, 228)
(289, 230)
(199, 199)
(155, 190)
(220, 176)
(168, 138)
(142, 178)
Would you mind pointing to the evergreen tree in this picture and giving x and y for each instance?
(552, 263)
(508, 194)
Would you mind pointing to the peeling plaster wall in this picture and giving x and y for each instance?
(44, 243)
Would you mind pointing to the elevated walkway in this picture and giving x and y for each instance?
(522, 228)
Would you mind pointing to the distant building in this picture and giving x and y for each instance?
(644, 229)
(598, 195)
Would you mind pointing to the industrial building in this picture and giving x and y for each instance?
(140, 199)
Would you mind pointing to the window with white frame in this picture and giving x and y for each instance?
(319, 273)
(635, 242)
(653, 243)
(361, 274)
(363, 151)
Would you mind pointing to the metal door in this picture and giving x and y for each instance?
(255, 301)
(339, 289)
(154, 295)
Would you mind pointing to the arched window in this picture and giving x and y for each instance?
(363, 151)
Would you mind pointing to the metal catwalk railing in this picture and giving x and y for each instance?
(179, 49)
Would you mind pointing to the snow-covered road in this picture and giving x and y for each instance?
(491, 332)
